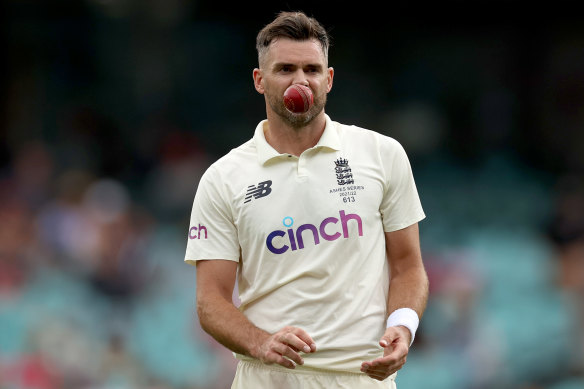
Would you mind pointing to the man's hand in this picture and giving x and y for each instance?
(395, 343)
(284, 346)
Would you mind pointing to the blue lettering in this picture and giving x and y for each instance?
(270, 245)
(296, 240)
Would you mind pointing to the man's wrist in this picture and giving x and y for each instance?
(405, 317)
(254, 340)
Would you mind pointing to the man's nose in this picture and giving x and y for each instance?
(300, 78)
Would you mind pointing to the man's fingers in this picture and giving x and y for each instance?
(395, 353)
(295, 342)
(395, 334)
(280, 360)
(285, 351)
(291, 354)
(304, 338)
(399, 351)
(284, 347)
(376, 376)
(385, 361)
(383, 367)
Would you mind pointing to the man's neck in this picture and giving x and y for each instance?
(289, 140)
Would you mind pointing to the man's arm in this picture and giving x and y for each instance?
(408, 289)
(409, 282)
(224, 322)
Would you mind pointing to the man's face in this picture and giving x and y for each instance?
(289, 62)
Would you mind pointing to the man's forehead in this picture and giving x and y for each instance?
(292, 51)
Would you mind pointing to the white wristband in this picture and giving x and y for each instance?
(406, 317)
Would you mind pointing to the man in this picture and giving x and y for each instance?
(318, 223)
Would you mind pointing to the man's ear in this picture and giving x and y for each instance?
(330, 76)
(257, 80)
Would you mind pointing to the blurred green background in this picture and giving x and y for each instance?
(112, 109)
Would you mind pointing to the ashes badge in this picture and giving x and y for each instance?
(346, 188)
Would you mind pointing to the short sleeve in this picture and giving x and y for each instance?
(212, 233)
(400, 206)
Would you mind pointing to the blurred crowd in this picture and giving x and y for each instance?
(105, 134)
(94, 294)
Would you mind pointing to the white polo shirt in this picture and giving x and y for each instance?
(308, 233)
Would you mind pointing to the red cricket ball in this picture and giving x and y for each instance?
(298, 98)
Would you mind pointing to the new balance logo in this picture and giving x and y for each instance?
(261, 190)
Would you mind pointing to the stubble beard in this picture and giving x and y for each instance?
(297, 120)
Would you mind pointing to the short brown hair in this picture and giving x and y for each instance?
(292, 25)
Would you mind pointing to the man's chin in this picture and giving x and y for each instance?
(299, 120)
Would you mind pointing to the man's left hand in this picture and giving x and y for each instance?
(396, 344)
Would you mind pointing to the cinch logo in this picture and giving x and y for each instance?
(263, 189)
(295, 240)
(195, 232)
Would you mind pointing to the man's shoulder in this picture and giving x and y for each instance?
(352, 133)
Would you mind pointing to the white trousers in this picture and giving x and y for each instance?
(256, 375)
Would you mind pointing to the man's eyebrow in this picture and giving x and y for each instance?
(316, 66)
(279, 65)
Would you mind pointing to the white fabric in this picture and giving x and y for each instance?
(406, 317)
(308, 233)
(256, 375)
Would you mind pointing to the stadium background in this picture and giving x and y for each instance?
(112, 109)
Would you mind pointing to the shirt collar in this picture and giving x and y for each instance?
(328, 139)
